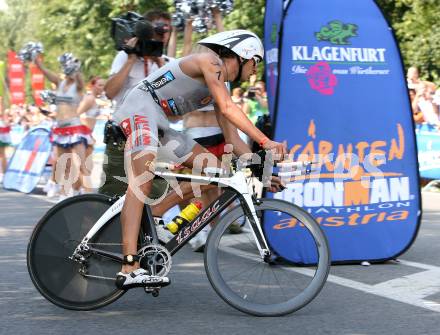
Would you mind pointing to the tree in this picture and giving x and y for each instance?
(17, 23)
(247, 15)
(83, 27)
(418, 33)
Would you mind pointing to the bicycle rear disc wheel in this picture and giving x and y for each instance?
(54, 240)
(288, 282)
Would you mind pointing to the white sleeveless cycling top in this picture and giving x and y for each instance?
(177, 92)
(69, 97)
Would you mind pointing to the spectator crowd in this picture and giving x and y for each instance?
(425, 99)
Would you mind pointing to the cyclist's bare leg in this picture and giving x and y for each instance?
(138, 190)
(199, 159)
(140, 176)
(208, 196)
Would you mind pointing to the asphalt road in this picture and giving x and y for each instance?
(393, 298)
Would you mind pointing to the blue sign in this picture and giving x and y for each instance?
(342, 102)
(428, 145)
(28, 161)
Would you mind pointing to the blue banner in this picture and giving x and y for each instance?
(28, 161)
(428, 145)
(272, 22)
(343, 103)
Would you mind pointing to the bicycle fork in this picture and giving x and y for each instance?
(238, 183)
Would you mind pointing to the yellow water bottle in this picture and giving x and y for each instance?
(185, 216)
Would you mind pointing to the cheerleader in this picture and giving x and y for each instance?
(69, 135)
(89, 111)
(5, 140)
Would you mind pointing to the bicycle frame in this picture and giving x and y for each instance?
(236, 188)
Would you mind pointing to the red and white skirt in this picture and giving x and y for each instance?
(5, 137)
(70, 133)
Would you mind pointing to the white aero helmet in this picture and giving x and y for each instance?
(242, 42)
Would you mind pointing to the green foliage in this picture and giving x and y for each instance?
(416, 23)
(77, 26)
(247, 15)
(83, 27)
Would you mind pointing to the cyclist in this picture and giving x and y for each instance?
(179, 87)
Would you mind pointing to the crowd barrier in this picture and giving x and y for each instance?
(428, 144)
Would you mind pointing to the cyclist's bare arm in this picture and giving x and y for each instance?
(231, 135)
(210, 68)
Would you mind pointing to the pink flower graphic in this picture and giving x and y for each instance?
(321, 78)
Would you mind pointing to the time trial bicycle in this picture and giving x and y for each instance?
(75, 250)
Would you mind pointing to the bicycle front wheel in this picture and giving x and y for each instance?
(59, 279)
(293, 276)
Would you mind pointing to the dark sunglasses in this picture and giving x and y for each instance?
(256, 60)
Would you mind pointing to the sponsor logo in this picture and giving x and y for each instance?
(37, 78)
(338, 54)
(152, 280)
(337, 32)
(165, 107)
(169, 107)
(353, 184)
(139, 134)
(321, 64)
(17, 81)
(188, 230)
(126, 127)
(16, 68)
(321, 78)
(163, 80)
(17, 95)
(173, 106)
(142, 131)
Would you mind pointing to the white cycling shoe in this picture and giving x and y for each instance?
(139, 278)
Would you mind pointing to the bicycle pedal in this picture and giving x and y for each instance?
(153, 291)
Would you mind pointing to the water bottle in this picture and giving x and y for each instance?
(185, 216)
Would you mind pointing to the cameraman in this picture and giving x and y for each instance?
(126, 71)
(129, 69)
